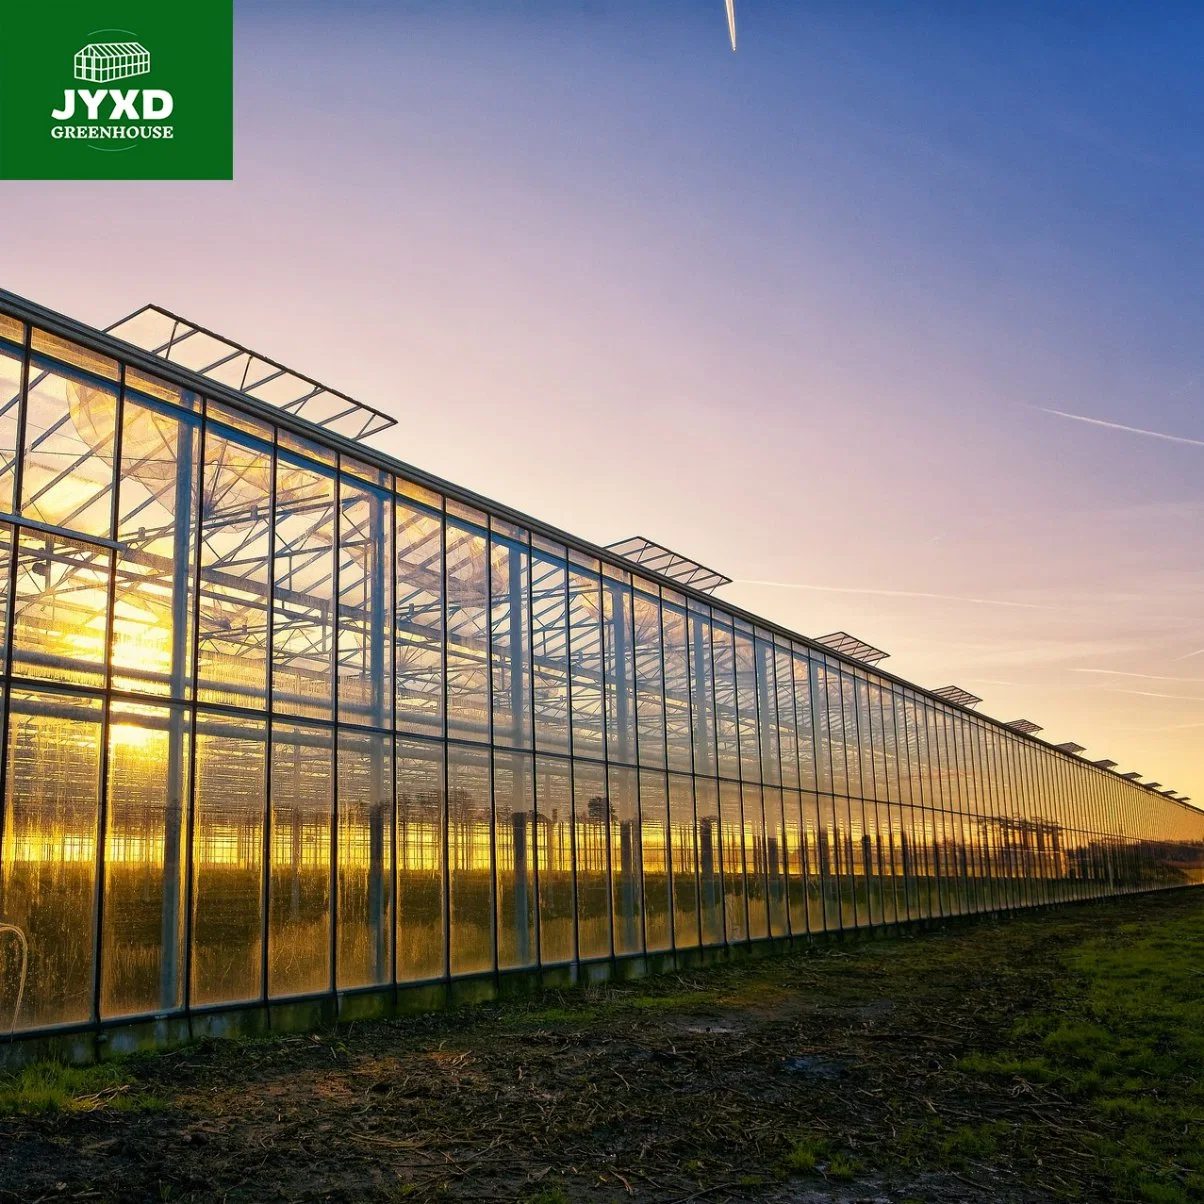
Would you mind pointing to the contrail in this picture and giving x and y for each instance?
(1198, 652)
(895, 593)
(731, 22)
(1119, 426)
(1147, 676)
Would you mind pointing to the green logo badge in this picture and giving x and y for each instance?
(148, 96)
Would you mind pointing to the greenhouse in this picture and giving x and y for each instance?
(106, 62)
(293, 730)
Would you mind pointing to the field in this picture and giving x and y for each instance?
(1040, 1057)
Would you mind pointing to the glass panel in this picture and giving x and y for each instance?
(511, 644)
(654, 831)
(467, 634)
(303, 595)
(710, 875)
(60, 609)
(550, 652)
(299, 887)
(775, 860)
(365, 895)
(470, 859)
(419, 619)
(420, 823)
(702, 695)
(746, 697)
(727, 730)
(158, 505)
(731, 828)
(649, 682)
(620, 671)
(235, 541)
(585, 652)
(11, 360)
(142, 956)
(6, 556)
(227, 926)
(842, 858)
(817, 858)
(514, 844)
(756, 862)
(677, 688)
(767, 715)
(796, 861)
(70, 423)
(590, 825)
(804, 715)
(49, 842)
(787, 734)
(625, 860)
(365, 674)
(554, 801)
(683, 845)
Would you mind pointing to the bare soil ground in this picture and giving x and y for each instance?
(1038, 1057)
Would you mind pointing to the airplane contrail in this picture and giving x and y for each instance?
(1148, 676)
(731, 22)
(895, 593)
(1119, 426)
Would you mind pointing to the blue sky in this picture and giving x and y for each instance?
(799, 311)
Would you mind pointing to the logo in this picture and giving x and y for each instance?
(82, 102)
(102, 62)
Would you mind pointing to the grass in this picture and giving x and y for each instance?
(1122, 1037)
(1053, 1055)
(49, 1087)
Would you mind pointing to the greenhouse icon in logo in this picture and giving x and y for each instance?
(104, 62)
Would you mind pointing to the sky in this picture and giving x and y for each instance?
(870, 315)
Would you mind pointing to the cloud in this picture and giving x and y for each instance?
(894, 593)
(1119, 426)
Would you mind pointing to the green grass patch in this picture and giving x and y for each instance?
(45, 1087)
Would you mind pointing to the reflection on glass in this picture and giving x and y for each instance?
(142, 955)
(419, 620)
(420, 842)
(236, 516)
(731, 834)
(550, 652)
(157, 509)
(467, 633)
(585, 653)
(470, 860)
(683, 847)
(649, 681)
(625, 860)
(510, 643)
(654, 844)
(365, 669)
(52, 804)
(70, 424)
(554, 837)
(591, 824)
(227, 856)
(303, 590)
(514, 858)
(710, 861)
(60, 609)
(364, 772)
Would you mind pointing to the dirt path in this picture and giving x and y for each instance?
(874, 1071)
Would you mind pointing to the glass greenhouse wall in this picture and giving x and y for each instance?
(281, 721)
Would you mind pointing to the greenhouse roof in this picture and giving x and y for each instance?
(182, 342)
